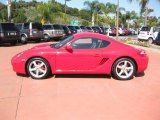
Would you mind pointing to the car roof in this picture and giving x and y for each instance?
(89, 34)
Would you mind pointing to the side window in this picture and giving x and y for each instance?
(86, 43)
(26, 25)
(104, 44)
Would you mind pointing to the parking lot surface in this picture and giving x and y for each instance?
(78, 97)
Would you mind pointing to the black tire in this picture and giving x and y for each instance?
(46, 64)
(150, 40)
(130, 63)
(24, 39)
(46, 38)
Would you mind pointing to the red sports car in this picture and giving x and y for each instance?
(82, 53)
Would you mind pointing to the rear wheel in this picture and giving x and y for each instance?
(38, 68)
(123, 69)
(46, 38)
(24, 39)
(150, 40)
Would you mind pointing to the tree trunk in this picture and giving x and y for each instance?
(128, 24)
(146, 14)
(93, 19)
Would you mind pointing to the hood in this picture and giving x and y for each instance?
(41, 46)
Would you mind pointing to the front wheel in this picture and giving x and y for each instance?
(123, 69)
(38, 68)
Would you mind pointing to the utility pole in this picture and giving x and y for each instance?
(9, 10)
(117, 19)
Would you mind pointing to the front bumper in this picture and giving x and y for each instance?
(18, 65)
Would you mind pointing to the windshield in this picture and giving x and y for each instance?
(62, 43)
(145, 29)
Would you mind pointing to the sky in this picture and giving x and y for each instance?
(154, 4)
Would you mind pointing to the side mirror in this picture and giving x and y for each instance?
(69, 48)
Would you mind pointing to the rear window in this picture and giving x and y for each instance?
(145, 29)
(37, 26)
(8, 27)
(57, 27)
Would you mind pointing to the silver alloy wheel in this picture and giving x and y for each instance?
(124, 69)
(23, 39)
(37, 68)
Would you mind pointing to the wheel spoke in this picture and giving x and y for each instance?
(125, 63)
(42, 71)
(34, 63)
(126, 73)
(129, 68)
(32, 69)
(118, 66)
(121, 72)
(37, 73)
(42, 64)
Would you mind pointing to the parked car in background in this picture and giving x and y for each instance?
(67, 31)
(72, 29)
(112, 31)
(99, 29)
(78, 29)
(89, 29)
(121, 32)
(106, 30)
(148, 34)
(125, 31)
(95, 29)
(84, 29)
(157, 40)
(31, 31)
(52, 31)
(103, 31)
(9, 33)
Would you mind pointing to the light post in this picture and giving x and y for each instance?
(117, 19)
(65, 5)
(9, 10)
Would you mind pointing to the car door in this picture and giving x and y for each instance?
(84, 57)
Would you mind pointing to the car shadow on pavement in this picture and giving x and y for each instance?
(82, 76)
(139, 74)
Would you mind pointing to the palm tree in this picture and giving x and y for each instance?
(130, 16)
(92, 6)
(144, 8)
(112, 8)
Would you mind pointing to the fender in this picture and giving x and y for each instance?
(24, 34)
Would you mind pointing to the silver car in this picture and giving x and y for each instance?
(53, 31)
(30, 31)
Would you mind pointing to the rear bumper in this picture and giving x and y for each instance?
(9, 40)
(142, 64)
